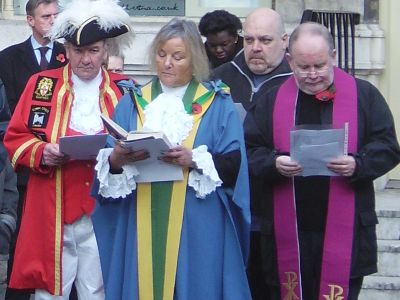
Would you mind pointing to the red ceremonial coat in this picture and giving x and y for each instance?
(42, 116)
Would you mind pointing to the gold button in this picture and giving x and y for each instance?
(87, 183)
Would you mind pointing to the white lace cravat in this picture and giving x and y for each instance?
(167, 113)
(85, 112)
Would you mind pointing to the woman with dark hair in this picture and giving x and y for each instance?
(221, 29)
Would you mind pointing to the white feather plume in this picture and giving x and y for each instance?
(109, 14)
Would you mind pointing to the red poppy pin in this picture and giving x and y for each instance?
(196, 108)
(60, 57)
(326, 95)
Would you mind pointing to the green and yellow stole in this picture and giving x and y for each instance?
(160, 205)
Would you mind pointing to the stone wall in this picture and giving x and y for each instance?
(370, 58)
(291, 10)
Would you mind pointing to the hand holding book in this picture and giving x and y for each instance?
(180, 156)
(122, 156)
(144, 149)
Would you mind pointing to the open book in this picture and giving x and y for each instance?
(151, 169)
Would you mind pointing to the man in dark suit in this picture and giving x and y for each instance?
(18, 63)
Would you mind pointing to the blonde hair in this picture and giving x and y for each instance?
(187, 31)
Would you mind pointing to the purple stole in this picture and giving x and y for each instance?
(337, 251)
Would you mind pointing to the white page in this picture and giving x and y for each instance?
(82, 147)
(153, 169)
(314, 158)
(314, 149)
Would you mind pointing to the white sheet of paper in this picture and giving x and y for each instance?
(313, 149)
(82, 147)
(153, 169)
(158, 170)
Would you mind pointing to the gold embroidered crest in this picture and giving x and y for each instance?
(290, 285)
(38, 116)
(44, 89)
(336, 293)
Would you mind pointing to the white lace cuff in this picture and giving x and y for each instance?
(114, 185)
(206, 182)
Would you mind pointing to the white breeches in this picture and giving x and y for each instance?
(80, 263)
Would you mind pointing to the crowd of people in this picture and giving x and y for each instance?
(243, 222)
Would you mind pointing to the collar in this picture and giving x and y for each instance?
(36, 45)
(176, 91)
(81, 83)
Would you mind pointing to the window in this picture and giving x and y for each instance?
(197, 8)
(238, 7)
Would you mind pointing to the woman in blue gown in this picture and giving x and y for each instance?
(183, 239)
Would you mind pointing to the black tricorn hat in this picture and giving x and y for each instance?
(84, 22)
(90, 32)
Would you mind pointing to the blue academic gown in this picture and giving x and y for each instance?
(215, 231)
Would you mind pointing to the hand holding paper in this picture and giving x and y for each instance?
(344, 165)
(314, 149)
(82, 147)
(287, 167)
(52, 156)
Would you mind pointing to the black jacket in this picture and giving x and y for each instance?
(237, 75)
(5, 113)
(378, 152)
(8, 202)
(18, 63)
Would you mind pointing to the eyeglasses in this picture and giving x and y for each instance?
(318, 72)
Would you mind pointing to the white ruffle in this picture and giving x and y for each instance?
(177, 91)
(85, 112)
(206, 182)
(167, 114)
(114, 185)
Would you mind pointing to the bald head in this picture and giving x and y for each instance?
(265, 40)
(312, 57)
(311, 29)
(266, 18)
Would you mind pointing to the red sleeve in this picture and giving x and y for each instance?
(23, 146)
